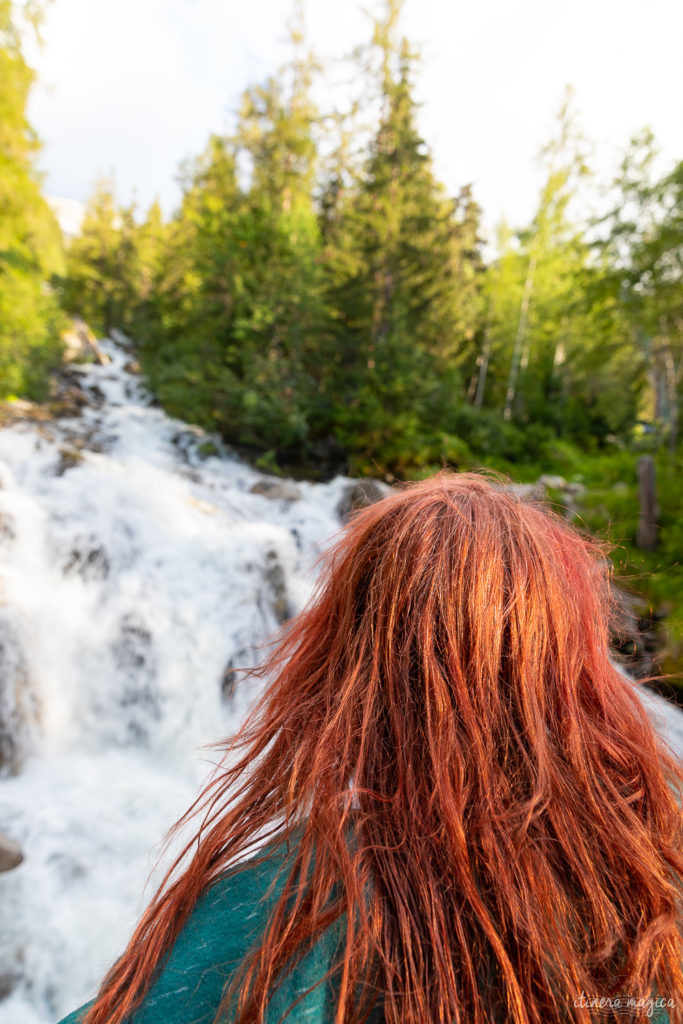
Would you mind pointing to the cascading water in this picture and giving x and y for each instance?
(135, 569)
(134, 572)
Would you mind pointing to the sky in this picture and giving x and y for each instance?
(130, 89)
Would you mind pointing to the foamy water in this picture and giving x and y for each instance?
(133, 571)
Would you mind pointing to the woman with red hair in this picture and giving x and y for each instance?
(447, 806)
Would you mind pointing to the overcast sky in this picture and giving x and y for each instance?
(133, 87)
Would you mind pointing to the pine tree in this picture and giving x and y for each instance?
(407, 299)
(102, 275)
(30, 240)
(643, 250)
(238, 295)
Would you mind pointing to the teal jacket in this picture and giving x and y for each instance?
(227, 919)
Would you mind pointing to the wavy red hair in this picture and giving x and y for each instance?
(448, 695)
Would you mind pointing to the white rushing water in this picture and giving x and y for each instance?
(133, 571)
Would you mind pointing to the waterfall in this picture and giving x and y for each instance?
(137, 565)
(139, 562)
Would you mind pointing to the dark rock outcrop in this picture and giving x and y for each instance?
(11, 854)
(360, 495)
(274, 576)
(89, 559)
(18, 704)
(276, 489)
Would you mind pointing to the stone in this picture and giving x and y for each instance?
(576, 490)
(529, 492)
(276, 489)
(11, 854)
(69, 458)
(359, 495)
(89, 559)
(80, 345)
(275, 578)
(19, 710)
(555, 483)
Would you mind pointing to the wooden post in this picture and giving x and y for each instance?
(647, 524)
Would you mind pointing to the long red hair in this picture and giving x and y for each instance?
(448, 698)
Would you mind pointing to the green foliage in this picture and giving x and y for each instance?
(325, 309)
(30, 240)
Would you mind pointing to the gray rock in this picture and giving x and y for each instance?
(275, 578)
(80, 345)
(10, 853)
(276, 489)
(529, 492)
(360, 495)
(19, 710)
(556, 483)
(7, 530)
(88, 558)
(576, 490)
(9, 979)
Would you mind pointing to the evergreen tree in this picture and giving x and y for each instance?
(643, 252)
(30, 240)
(238, 295)
(556, 357)
(406, 295)
(102, 276)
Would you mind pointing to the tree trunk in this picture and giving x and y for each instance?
(475, 391)
(520, 340)
(646, 538)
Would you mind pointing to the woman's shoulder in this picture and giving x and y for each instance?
(226, 921)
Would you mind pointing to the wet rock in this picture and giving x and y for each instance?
(529, 492)
(67, 398)
(20, 410)
(89, 559)
(195, 445)
(11, 854)
(80, 345)
(360, 495)
(135, 660)
(236, 667)
(132, 366)
(69, 458)
(9, 979)
(8, 532)
(18, 704)
(575, 490)
(275, 578)
(273, 487)
(72, 391)
(555, 483)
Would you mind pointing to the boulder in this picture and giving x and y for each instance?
(275, 578)
(10, 853)
(19, 710)
(80, 345)
(576, 490)
(555, 483)
(359, 495)
(276, 489)
(529, 492)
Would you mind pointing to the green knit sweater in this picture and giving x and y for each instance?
(228, 918)
(225, 922)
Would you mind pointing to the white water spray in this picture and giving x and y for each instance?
(133, 571)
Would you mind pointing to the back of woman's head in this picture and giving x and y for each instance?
(475, 786)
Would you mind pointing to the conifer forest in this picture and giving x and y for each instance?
(321, 304)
